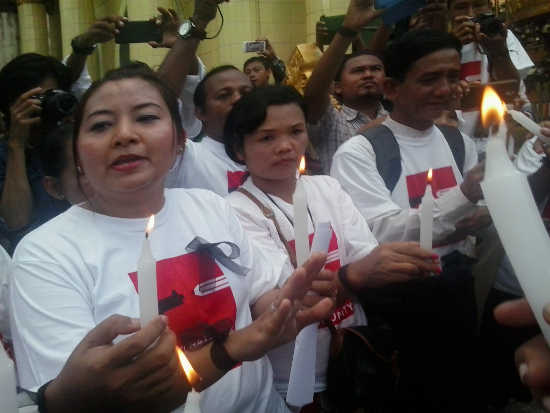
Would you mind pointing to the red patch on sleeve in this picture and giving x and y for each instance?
(196, 297)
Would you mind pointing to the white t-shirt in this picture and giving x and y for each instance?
(395, 216)
(351, 240)
(5, 261)
(79, 268)
(528, 161)
(475, 68)
(205, 165)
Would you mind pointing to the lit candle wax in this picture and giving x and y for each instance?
(192, 403)
(527, 124)
(147, 279)
(427, 215)
(8, 392)
(301, 233)
(515, 213)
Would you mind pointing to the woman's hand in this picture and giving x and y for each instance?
(286, 317)
(100, 375)
(169, 23)
(24, 113)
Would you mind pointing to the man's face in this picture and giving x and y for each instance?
(222, 91)
(427, 89)
(257, 73)
(469, 8)
(362, 76)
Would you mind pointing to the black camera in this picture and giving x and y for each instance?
(57, 105)
(489, 24)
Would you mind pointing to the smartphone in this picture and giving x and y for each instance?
(254, 47)
(506, 89)
(139, 32)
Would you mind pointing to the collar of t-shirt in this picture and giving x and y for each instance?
(409, 135)
(352, 114)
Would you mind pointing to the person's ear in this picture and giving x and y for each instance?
(53, 187)
(181, 139)
(200, 114)
(391, 88)
(336, 87)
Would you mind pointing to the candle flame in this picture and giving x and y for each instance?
(492, 108)
(190, 373)
(150, 226)
(302, 167)
(430, 174)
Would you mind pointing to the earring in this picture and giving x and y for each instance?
(179, 151)
(79, 170)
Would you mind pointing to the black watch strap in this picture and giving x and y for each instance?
(346, 32)
(219, 355)
(41, 398)
(83, 51)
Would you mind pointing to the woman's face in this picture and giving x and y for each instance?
(273, 151)
(127, 139)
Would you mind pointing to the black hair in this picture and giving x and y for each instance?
(199, 98)
(249, 113)
(414, 45)
(133, 71)
(25, 72)
(347, 57)
(52, 149)
(265, 63)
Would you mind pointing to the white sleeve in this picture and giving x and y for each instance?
(83, 83)
(190, 123)
(528, 160)
(267, 267)
(5, 262)
(357, 173)
(358, 238)
(50, 310)
(518, 55)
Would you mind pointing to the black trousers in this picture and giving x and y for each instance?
(435, 322)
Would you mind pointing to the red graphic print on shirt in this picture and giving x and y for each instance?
(471, 71)
(333, 264)
(235, 179)
(443, 178)
(196, 297)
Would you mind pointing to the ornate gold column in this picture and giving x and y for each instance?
(33, 26)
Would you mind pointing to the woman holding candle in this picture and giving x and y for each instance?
(266, 130)
(80, 268)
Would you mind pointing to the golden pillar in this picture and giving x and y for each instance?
(76, 17)
(33, 26)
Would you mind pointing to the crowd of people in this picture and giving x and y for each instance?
(213, 155)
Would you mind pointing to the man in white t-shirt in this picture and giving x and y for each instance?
(423, 69)
(485, 57)
(202, 164)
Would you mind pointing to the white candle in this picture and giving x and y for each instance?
(427, 216)
(8, 390)
(517, 218)
(528, 124)
(301, 383)
(301, 232)
(147, 279)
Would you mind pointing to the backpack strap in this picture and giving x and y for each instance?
(269, 214)
(456, 143)
(388, 156)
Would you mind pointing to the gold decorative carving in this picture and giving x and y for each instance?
(301, 63)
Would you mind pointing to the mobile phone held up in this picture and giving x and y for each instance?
(138, 32)
(254, 47)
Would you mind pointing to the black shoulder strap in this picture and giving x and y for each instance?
(456, 143)
(388, 157)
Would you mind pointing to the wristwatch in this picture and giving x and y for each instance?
(83, 51)
(188, 29)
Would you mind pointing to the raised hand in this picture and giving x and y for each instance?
(169, 23)
(471, 187)
(101, 31)
(24, 113)
(360, 13)
(464, 29)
